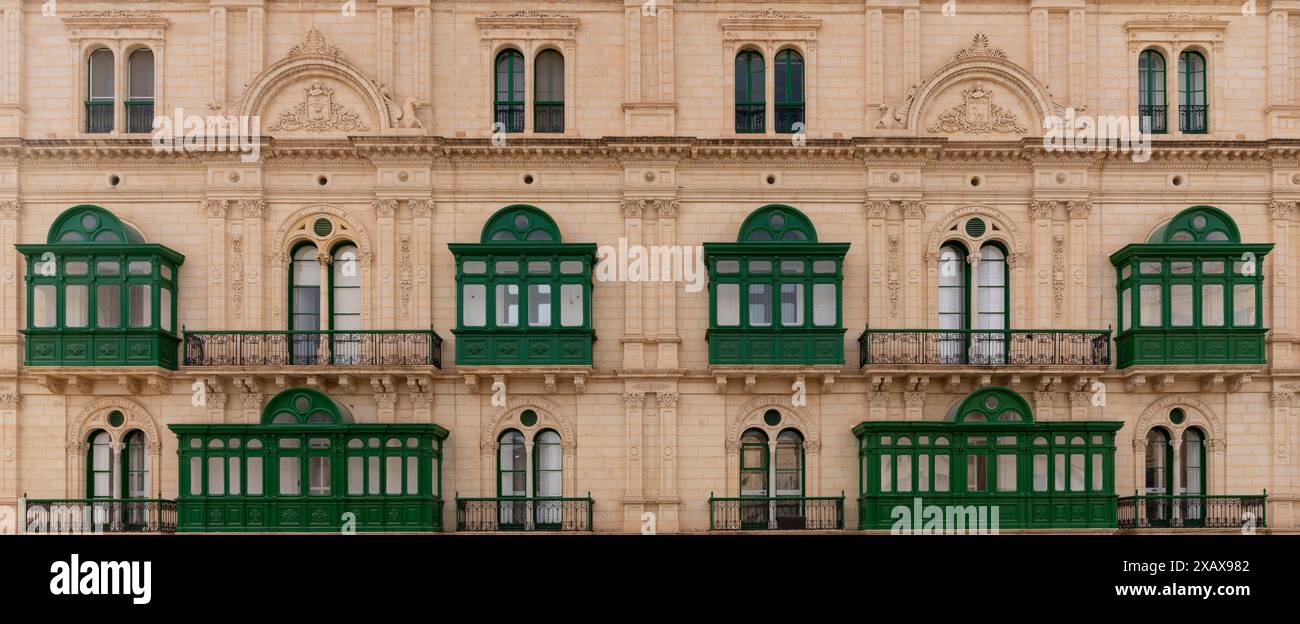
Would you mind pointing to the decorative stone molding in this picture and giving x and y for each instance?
(913, 209)
(633, 399)
(216, 208)
(237, 273)
(1079, 209)
(386, 400)
(1058, 274)
(252, 208)
(895, 278)
(1197, 412)
(405, 273)
(1281, 399)
(384, 208)
(314, 44)
(1044, 399)
(876, 208)
(878, 399)
(914, 399)
(1281, 210)
(549, 416)
(750, 415)
(977, 114)
(979, 48)
(421, 208)
(1041, 209)
(633, 208)
(10, 209)
(10, 400)
(318, 112)
(770, 14)
(667, 208)
(667, 399)
(95, 416)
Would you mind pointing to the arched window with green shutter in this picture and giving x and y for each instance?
(988, 454)
(523, 294)
(306, 466)
(1152, 107)
(751, 94)
(775, 294)
(99, 295)
(1193, 107)
(509, 89)
(1191, 294)
(788, 81)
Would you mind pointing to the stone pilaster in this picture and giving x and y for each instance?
(633, 327)
(254, 251)
(422, 298)
(633, 491)
(218, 298)
(389, 299)
(9, 400)
(668, 520)
(667, 339)
(11, 282)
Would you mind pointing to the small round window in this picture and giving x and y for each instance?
(322, 227)
(528, 418)
(115, 419)
(301, 403)
(1177, 416)
(89, 221)
(772, 417)
(521, 221)
(976, 227)
(777, 221)
(991, 402)
(1198, 222)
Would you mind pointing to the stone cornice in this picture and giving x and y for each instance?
(928, 151)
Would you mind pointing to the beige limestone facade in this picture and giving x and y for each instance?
(404, 157)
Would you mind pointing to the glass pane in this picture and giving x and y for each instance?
(473, 267)
(1040, 473)
(977, 477)
(1212, 267)
(290, 476)
(140, 74)
(1180, 305)
(904, 473)
(1149, 268)
(356, 475)
(108, 267)
(507, 267)
(792, 267)
(234, 476)
(886, 473)
(216, 476)
(1151, 316)
(1059, 465)
(728, 266)
(941, 473)
(1006, 473)
(824, 266)
(372, 467)
(1180, 268)
(141, 306)
(824, 304)
(728, 305)
(412, 475)
(108, 305)
(1076, 473)
(923, 473)
(196, 477)
(144, 267)
(539, 267)
(165, 308)
(1243, 305)
(320, 476)
(571, 305)
(393, 477)
(792, 304)
(254, 476)
(1212, 305)
(101, 74)
(571, 267)
(760, 267)
(474, 302)
(76, 267)
(539, 305)
(44, 305)
(507, 305)
(1097, 473)
(1126, 308)
(760, 304)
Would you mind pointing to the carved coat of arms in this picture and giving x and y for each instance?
(318, 112)
(977, 114)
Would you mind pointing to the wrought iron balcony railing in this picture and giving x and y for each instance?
(139, 115)
(510, 116)
(780, 513)
(1148, 511)
(983, 347)
(751, 118)
(787, 115)
(1193, 119)
(100, 515)
(1154, 118)
(373, 347)
(99, 116)
(548, 117)
(542, 513)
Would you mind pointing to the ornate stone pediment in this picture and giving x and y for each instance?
(977, 114)
(978, 48)
(318, 112)
(314, 44)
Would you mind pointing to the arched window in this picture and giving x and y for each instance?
(509, 91)
(755, 479)
(100, 91)
(548, 459)
(305, 305)
(140, 91)
(512, 465)
(789, 467)
(345, 306)
(99, 462)
(981, 337)
(522, 284)
(751, 94)
(98, 294)
(137, 465)
(775, 283)
(788, 80)
(1159, 475)
(1193, 111)
(548, 84)
(1191, 477)
(1151, 92)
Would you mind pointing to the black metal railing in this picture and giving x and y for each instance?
(375, 347)
(511, 117)
(787, 115)
(139, 115)
(542, 513)
(751, 118)
(1154, 118)
(1148, 511)
(1193, 119)
(99, 116)
(100, 515)
(548, 117)
(982, 347)
(780, 513)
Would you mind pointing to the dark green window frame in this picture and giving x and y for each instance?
(1152, 105)
(1194, 109)
(100, 109)
(509, 90)
(92, 236)
(788, 80)
(310, 426)
(527, 238)
(751, 92)
(548, 92)
(1063, 471)
(792, 256)
(1200, 247)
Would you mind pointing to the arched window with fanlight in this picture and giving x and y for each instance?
(100, 91)
(751, 94)
(548, 87)
(1152, 107)
(1192, 294)
(509, 99)
(307, 466)
(990, 452)
(775, 293)
(524, 295)
(1193, 108)
(1158, 473)
(99, 295)
(140, 91)
(100, 469)
(974, 304)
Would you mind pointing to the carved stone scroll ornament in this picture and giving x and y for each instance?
(977, 114)
(318, 112)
